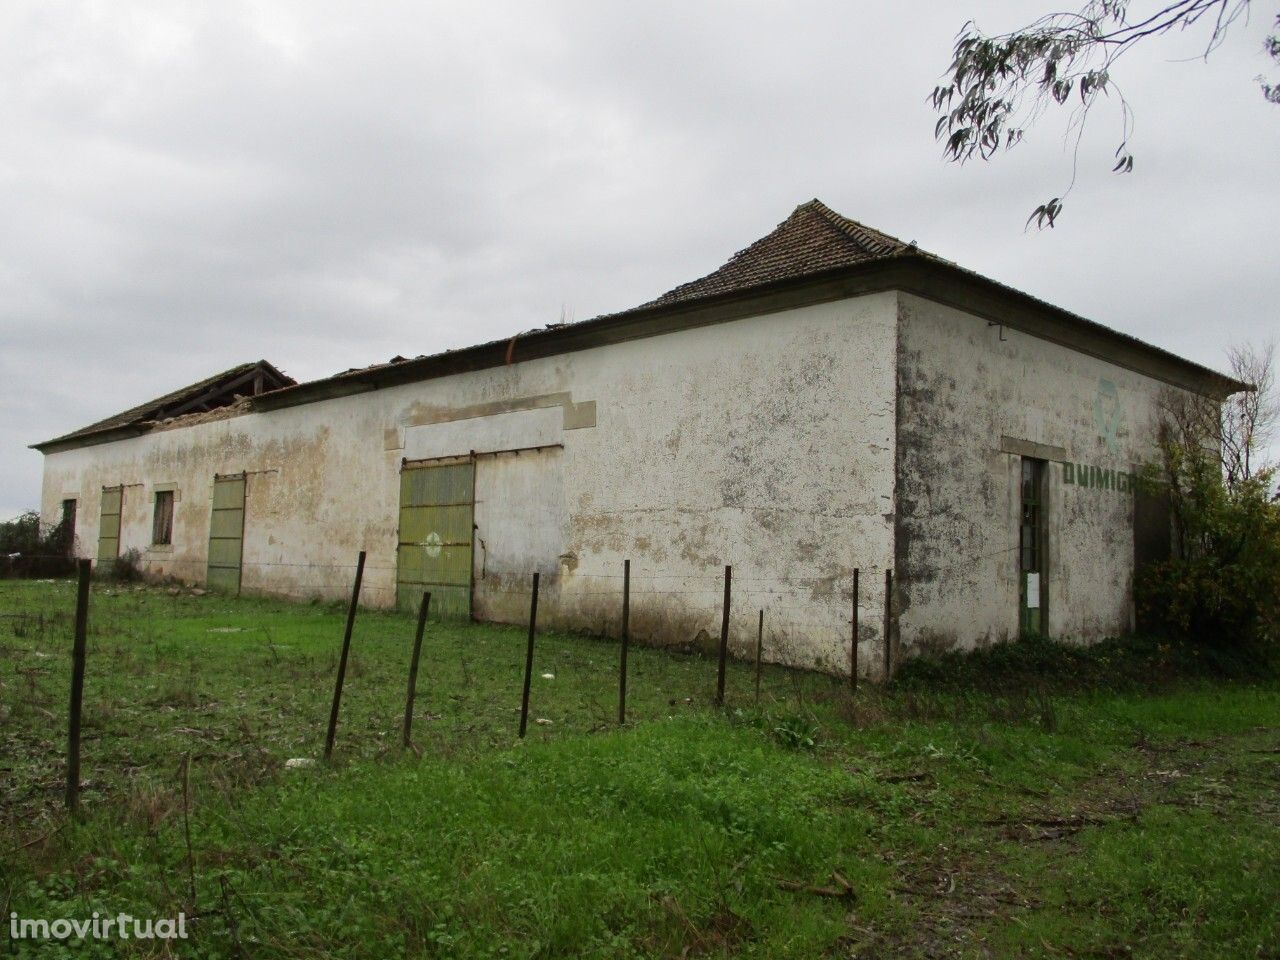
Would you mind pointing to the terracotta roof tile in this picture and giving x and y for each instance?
(813, 239)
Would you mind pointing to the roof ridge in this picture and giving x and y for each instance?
(876, 240)
(812, 239)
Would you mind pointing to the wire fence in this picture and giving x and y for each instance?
(809, 621)
(245, 684)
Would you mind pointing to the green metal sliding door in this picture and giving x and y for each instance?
(437, 502)
(109, 528)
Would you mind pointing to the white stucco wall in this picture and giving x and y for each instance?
(766, 442)
(964, 386)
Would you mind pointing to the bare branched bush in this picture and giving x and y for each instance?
(1221, 583)
(1249, 420)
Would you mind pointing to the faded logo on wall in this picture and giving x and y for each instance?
(1108, 415)
(1098, 478)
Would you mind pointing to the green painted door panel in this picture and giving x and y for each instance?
(226, 523)
(452, 524)
(226, 534)
(228, 493)
(434, 549)
(224, 552)
(109, 528)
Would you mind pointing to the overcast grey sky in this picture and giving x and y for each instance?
(186, 186)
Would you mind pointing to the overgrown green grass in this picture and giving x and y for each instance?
(933, 819)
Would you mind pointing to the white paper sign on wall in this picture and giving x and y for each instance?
(1033, 591)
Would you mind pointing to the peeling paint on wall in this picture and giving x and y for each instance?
(766, 442)
(965, 393)
(877, 432)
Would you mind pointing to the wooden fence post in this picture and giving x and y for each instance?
(413, 666)
(77, 687)
(724, 636)
(342, 661)
(528, 657)
(626, 639)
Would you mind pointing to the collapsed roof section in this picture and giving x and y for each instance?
(242, 382)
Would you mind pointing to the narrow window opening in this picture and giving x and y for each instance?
(162, 521)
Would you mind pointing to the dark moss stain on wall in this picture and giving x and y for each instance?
(939, 500)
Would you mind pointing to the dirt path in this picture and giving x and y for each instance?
(962, 895)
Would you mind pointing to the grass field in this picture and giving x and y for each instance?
(1034, 802)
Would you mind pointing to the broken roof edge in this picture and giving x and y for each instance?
(168, 409)
(912, 271)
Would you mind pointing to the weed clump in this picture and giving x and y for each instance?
(127, 568)
(1036, 667)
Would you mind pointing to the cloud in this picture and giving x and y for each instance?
(188, 186)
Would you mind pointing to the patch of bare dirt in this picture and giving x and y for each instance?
(957, 895)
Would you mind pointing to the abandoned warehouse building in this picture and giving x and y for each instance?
(831, 399)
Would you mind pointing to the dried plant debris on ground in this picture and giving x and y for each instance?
(1002, 810)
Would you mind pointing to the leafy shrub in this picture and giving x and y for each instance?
(29, 548)
(1222, 584)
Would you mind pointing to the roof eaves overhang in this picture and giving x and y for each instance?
(58, 445)
(916, 273)
(637, 324)
(965, 290)
(912, 272)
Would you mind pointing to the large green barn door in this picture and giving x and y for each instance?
(226, 533)
(434, 550)
(109, 528)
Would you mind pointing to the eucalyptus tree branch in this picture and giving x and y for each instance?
(998, 86)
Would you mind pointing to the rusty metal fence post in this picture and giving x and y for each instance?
(413, 666)
(528, 657)
(853, 645)
(724, 636)
(759, 654)
(626, 638)
(77, 687)
(888, 625)
(342, 661)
